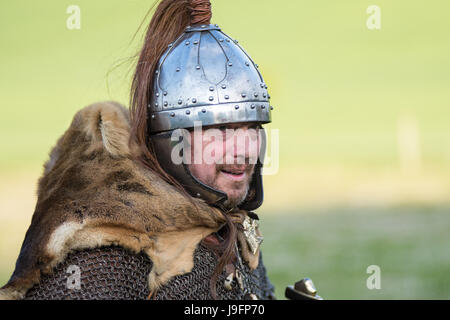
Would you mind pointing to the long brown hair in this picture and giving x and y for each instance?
(169, 21)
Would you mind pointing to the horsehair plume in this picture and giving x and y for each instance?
(200, 11)
(169, 21)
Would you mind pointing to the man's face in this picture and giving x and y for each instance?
(228, 156)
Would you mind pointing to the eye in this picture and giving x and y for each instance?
(222, 128)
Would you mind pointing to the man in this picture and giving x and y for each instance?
(123, 212)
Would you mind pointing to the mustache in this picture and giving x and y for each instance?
(236, 168)
(238, 161)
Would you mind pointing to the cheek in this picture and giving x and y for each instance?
(220, 152)
(213, 151)
(206, 173)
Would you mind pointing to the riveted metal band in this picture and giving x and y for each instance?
(210, 115)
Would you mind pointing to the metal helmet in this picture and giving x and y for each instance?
(206, 76)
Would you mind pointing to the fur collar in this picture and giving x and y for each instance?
(93, 194)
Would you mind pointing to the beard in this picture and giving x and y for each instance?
(236, 191)
(236, 199)
(233, 202)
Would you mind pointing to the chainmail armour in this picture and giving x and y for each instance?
(114, 273)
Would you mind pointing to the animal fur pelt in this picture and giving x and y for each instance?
(93, 194)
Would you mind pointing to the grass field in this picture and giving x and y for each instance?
(334, 247)
(363, 118)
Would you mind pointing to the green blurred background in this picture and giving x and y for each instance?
(363, 118)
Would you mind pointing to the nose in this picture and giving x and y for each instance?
(243, 147)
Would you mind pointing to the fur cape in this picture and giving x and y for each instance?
(93, 194)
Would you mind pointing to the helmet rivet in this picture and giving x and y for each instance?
(230, 64)
(227, 97)
(170, 45)
(256, 66)
(236, 107)
(197, 67)
(180, 101)
(165, 103)
(220, 40)
(203, 26)
(235, 41)
(243, 95)
(157, 94)
(156, 104)
(252, 106)
(178, 69)
(271, 108)
(256, 94)
(263, 106)
(198, 195)
(156, 72)
(228, 40)
(246, 63)
(262, 85)
(264, 95)
(196, 42)
(194, 100)
(211, 88)
(265, 86)
(165, 93)
(172, 114)
(187, 43)
(216, 25)
(211, 98)
(224, 86)
(153, 116)
(268, 96)
(188, 112)
(204, 110)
